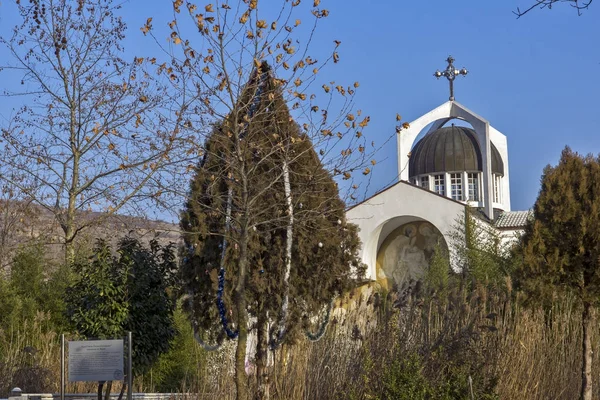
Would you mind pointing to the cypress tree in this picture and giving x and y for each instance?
(264, 228)
(561, 245)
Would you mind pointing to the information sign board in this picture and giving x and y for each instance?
(96, 360)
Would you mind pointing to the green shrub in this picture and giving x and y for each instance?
(32, 285)
(125, 292)
(404, 380)
(180, 367)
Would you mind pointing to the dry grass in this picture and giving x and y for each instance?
(540, 355)
(29, 354)
(533, 354)
(521, 353)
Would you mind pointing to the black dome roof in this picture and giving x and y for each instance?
(450, 149)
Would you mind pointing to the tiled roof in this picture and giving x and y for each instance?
(513, 219)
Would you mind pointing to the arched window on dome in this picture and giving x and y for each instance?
(456, 186)
(439, 184)
(473, 186)
(497, 188)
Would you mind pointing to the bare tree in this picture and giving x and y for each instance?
(97, 132)
(579, 5)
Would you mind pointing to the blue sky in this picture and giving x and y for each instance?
(535, 78)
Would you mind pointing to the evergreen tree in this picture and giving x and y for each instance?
(478, 251)
(561, 245)
(33, 284)
(265, 229)
(126, 292)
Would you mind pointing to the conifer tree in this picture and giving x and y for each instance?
(561, 246)
(265, 229)
(478, 251)
(263, 203)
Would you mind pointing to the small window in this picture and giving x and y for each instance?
(497, 189)
(473, 182)
(425, 182)
(439, 184)
(456, 186)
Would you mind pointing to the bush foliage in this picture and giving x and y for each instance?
(452, 336)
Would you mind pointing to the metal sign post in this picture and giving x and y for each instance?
(62, 367)
(97, 360)
(129, 367)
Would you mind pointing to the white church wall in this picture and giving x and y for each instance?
(389, 209)
(501, 143)
(510, 237)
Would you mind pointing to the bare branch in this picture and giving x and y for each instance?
(579, 5)
(96, 128)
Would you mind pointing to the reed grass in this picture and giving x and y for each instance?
(518, 352)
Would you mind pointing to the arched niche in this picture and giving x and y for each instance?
(405, 250)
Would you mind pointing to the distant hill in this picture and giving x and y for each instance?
(22, 223)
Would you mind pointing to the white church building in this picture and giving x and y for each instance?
(450, 166)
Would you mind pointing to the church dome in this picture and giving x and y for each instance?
(450, 149)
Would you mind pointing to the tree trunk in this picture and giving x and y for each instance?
(70, 231)
(288, 252)
(68, 227)
(69, 253)
(262, 357)
(586, 366)
(241, 380)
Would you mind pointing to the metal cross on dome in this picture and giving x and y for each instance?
(451, 73)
